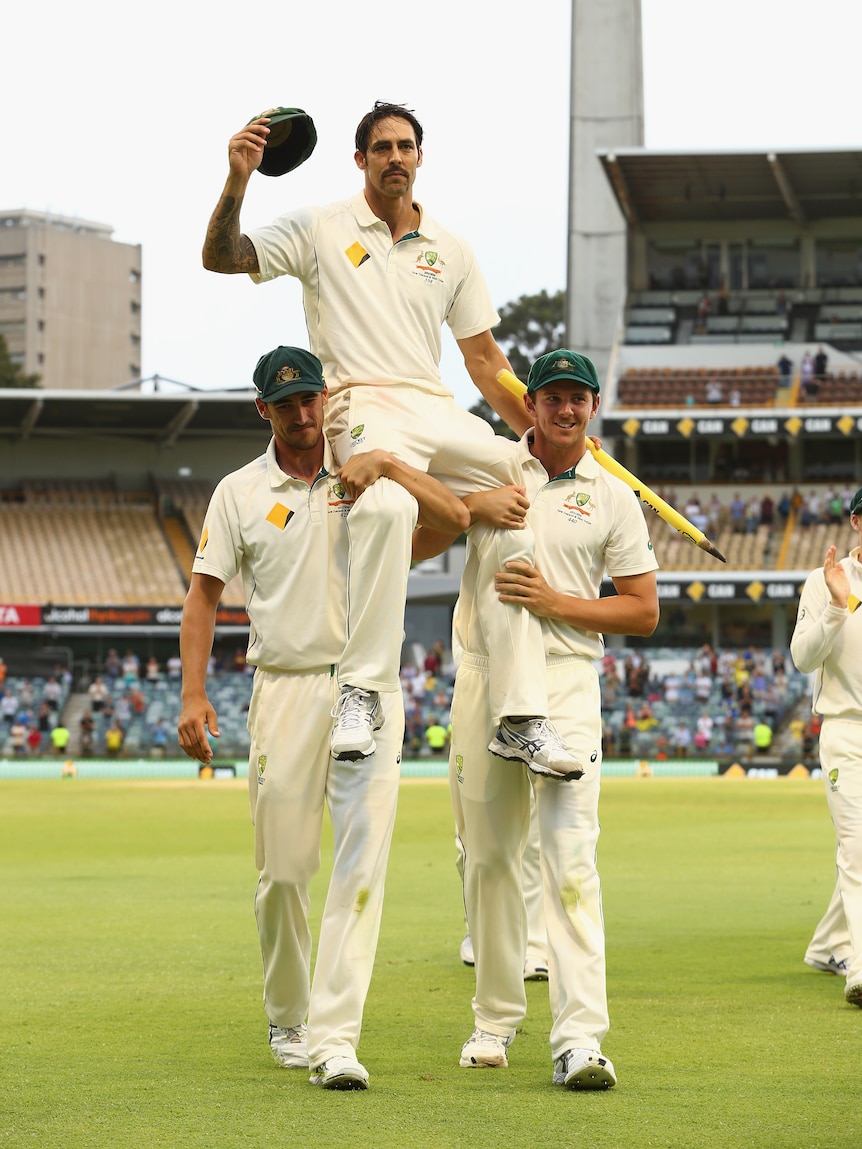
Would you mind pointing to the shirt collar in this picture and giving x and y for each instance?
(586, 468)
(277, 477)
(365, 217)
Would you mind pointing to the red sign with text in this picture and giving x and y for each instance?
(18, 615)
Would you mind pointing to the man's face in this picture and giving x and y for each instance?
(392, 158)
(562, 411)
(296, 420)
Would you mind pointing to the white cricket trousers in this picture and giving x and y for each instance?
(839, 932)
(491, 801)
(531, 883)
(433, 434)
(291, 778)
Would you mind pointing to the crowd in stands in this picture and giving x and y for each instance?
(656, 704)
(744, 516)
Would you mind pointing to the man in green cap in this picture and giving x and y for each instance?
(586, 523)
(827, 642)
(380, 278)
(282, 522)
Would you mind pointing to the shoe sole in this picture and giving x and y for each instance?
(512, 754)
(345, 1083)
(853, 995)
(536, 975)
(353, 755)
(489, 1062)
(591, 1077)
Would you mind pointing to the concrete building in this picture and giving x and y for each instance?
(70, 301)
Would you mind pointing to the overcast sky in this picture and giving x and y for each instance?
(124, 120)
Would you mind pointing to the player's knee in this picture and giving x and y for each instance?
(387, 504)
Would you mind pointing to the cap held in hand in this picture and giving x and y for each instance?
(290, 142)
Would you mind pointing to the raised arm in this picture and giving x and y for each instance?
(226, 249)
(483, 359)
(196, 640)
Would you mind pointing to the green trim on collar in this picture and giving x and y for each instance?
(409, 235)
(570, 474)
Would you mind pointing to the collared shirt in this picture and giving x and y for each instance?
(587, 523)
(289, 541)
(827, 640)
(375, 309)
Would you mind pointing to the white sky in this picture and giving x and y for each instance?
(126, 122)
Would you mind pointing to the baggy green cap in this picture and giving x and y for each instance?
(291, 140)
(285, 371)
(562, 364)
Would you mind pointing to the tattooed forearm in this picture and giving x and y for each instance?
(225, 249)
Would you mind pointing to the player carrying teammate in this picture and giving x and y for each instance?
(380, 277)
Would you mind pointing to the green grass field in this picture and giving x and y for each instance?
(130, 986)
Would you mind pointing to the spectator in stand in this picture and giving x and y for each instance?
(681, 740)
(159, 738)
(723, 300)
(52, 692)
(60, 736)
(785, 368)
(737, 514)
(834, 508)
(735, 397)
(705, 725)
(87, 732)
(762, 736)
(18, 738)
(113, 665)
(137, 699)
(715, 391)
(3, 671)
(97, 693)
(34, 740)
(436, 737)
(807, 386)
(154, 671)
(114, 738)
(26, 694)
(9, 707)
(702, 686)
(767, 511)
(646, 720)
(174, 667)
(821, 362)
(752, 515)
(131, 668)
(434, 659)
(123, 711)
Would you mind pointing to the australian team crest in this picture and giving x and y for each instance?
(431, 258)
(261, 766)
(357, 431)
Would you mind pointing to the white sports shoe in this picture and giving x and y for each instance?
(535, 969)
(537, 743)
(357, 715)
(467, 950)
(289, 1046)
(853, 994)
(831, 965)
(584, 1069)
(485, 1050)
(340, 1073)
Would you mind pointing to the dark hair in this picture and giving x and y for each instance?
(384, 111)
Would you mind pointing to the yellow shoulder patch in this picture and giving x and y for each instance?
(279, 516)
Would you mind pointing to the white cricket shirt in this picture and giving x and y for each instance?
(375, 309)
(828, 640)
(290, 543)
(587, 523)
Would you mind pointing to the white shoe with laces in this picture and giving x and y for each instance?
(289, 1046)
(484, 1050)
(829, 965)
(340, 1073)
(584, 1069)
(357, 715)
(536, 742)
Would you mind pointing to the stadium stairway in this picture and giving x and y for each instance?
(76, 706)
(179, 540)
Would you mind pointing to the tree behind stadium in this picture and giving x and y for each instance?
(529, 326)
(11, 374)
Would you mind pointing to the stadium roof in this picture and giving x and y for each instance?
(672, 187)
(161, 417)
